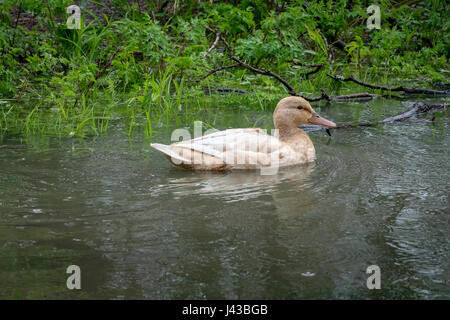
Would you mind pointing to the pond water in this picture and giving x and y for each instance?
(140, 228)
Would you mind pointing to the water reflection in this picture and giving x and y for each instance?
(238, 185)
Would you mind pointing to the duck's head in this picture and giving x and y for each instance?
(293, 111)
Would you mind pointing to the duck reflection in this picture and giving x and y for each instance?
(286, 187)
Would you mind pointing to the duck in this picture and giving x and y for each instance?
(252, 148)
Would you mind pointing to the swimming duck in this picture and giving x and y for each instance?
(252, 148)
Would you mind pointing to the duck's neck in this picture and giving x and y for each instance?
(285, 125)
(286, 133)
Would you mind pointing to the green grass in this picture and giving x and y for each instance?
(133, 69)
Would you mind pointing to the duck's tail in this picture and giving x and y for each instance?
(169, 152)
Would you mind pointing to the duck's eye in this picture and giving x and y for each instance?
(299, 107)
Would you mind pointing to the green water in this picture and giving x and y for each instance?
(140, 228)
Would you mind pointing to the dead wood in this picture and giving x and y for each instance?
(417, 109)
(401, 88)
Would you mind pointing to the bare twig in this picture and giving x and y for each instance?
(19, 11)
(214, 71)
(212, 47)
(317, 69)
(24, 85)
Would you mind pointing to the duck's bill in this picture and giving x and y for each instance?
(316, 119)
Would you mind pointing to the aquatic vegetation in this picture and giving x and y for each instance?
(141, 64)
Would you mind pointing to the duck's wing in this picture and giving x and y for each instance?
(245, 148)
(221, 143)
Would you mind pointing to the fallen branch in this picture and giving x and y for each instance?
(417, 108)
(361, 95)
(401, 88)
(324, 95)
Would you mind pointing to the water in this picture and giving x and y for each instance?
(140, 228)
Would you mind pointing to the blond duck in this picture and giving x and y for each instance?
(252, 148)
